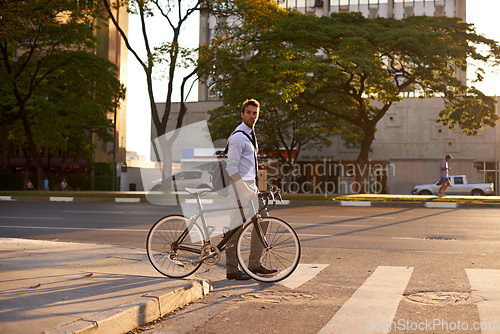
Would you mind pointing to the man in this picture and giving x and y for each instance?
(242, 167)
(445, 181)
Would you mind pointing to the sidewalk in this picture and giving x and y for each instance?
(63, 287)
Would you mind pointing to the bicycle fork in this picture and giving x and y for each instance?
(257, 223)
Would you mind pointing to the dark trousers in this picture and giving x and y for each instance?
(237, 219)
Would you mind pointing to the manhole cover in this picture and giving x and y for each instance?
(444, 298)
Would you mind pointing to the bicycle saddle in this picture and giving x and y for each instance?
(198, 191)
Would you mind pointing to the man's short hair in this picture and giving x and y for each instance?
(448, 157)
(249, 102)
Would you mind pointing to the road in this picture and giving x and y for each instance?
(405, 269)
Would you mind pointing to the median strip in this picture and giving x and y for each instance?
(441, 205)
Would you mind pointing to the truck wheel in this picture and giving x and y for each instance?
(425, 192)
(477, 192)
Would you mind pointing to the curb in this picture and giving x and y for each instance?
(138, 312)
(428, 205)
(288, 202)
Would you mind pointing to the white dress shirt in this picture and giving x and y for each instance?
(241, 154)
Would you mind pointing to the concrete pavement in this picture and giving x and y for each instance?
(62, 287)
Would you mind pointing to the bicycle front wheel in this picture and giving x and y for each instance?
(272, 257)
(174, 246)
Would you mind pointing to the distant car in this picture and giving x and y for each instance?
(193, 178)
(459, 186)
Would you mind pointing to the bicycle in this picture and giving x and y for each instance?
(177, 246)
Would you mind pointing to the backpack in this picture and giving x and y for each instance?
(220, 178)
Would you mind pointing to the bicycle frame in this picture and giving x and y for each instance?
(205, 229)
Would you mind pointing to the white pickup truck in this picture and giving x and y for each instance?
(458, 186)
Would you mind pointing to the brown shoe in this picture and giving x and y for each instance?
(239, 275)
(263, 270)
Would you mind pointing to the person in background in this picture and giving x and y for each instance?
(445, 181)
(64, 185)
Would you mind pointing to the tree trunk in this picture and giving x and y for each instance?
(31, 143)
(27, 162)
(361, 185)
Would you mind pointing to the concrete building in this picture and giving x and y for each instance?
(111, 47)
(409, 143)
(369, 8)
(408, 148)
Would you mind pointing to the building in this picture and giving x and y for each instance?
(369, 8)
(409, 143)
(107, 156)
(111, 47)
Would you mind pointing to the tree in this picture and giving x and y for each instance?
(169, 53)
(357, 68)
(61, 90)
(244, 66)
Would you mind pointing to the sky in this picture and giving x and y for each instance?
(482, 13)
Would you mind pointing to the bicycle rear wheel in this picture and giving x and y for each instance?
(174, 246)
(281, 256)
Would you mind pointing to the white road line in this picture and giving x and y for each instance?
(73, 228)
(486, 284)
(302, 274)
(441, 205)
(355, 203)
(422, 239)
(61, 199)
(361, 217)
(203, 201)
(332, 225)
(127, 200)
(315, 235)
(376, 301)
(17, 217)
(110, 212)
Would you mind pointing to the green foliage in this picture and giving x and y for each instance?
(55, 91)
(249, 66)
(354, 68)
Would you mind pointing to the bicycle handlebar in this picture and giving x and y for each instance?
(271, 194)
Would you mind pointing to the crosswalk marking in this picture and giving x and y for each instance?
(376, 300)
(303, 273)
(486, 283)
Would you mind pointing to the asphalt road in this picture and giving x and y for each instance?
(433, 263)
(124, 224)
